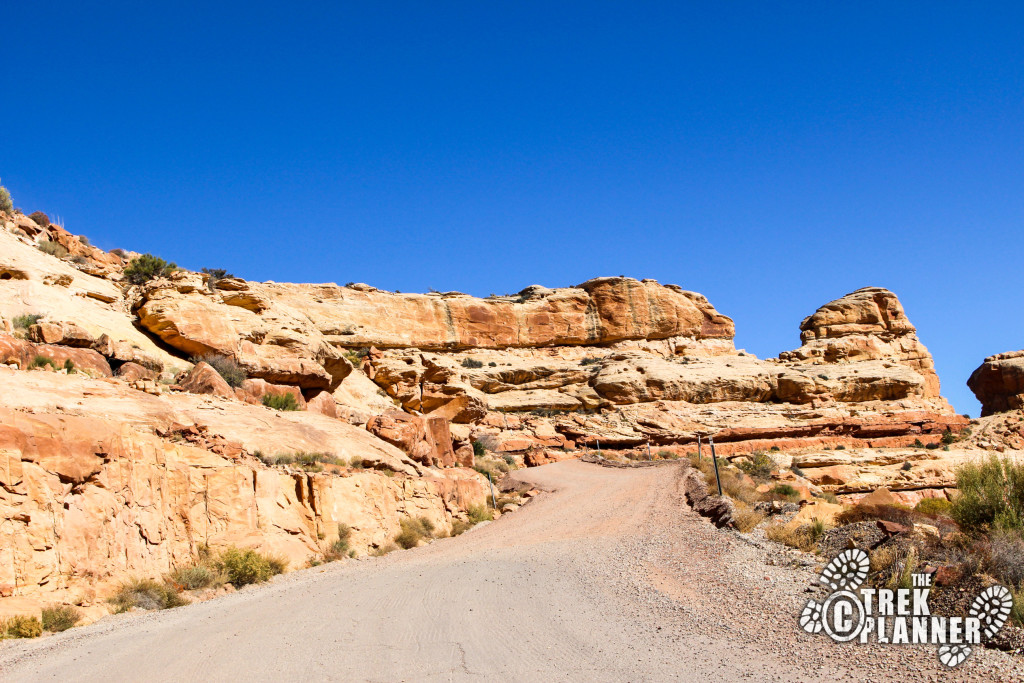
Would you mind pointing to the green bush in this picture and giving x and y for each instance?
(282, 402)
(990, 496)
(243, 567)
(948, 437)
(6, 205)
(340, 548)
(471, 363)
(146, 594)
(215, 276)
(194, 577)
(590, 360)
(479, 513)
(479, 450)
(52, 248)
(760, 465)
(21, 626)
(57, 618)
(784, 491)
(413, 531)
(23, 322)
(42, 362)
(933, 506)
(226, 366)
(147, 267)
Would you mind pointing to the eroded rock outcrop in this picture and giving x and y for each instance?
(869, 324)
(999, 383)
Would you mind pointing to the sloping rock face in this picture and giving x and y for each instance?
(999, 383)
(88, 502)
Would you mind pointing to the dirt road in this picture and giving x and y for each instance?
(609, 577)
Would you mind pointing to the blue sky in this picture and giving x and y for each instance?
(772, 158)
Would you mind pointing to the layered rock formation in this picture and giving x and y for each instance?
(999, 383)
(124, 460)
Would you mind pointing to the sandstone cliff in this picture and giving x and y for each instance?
(121, 452)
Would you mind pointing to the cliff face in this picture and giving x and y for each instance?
(120, 457)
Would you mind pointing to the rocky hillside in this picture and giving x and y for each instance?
(136, 429)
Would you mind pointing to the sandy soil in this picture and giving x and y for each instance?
(609, 577)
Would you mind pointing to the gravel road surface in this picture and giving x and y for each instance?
(608, 576)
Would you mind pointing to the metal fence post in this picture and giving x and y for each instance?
(699, 456)
(714, 459)
(494, 502)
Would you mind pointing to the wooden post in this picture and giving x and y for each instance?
(698, 448)
(494, 502)
(648, 449)
(714, 459)
(599, 453)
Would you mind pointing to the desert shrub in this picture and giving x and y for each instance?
(119, 253)
(194, 577)
(460, 526)
(774, 449)
(907, 466)
(840, 447)
(69, 366)
(40, 219)
(784, 491)
(413, 531)
(797, 471)
(492, 364)
(57, 618)
(340, 548)
(6, 205)
(948, 437)
(933, 506)
(918, 443)
(479, 450)
(1017, 611)
(746, 518)
(471, 363)
(870, 513)
(226, 366)
(146, 594)
(384, 550)
(829, 497)
(760, 465)
(42, 362)
(479, 513)
(932, 446)
(243, 567)
(990, 496)
(802, 537)
(142, 269)
(21, 626)
(215, 275)
(1002, 556)
(52, 248)
(281, 402)
(82, 239)
(589, 360)
(355, 356)
(23, 322)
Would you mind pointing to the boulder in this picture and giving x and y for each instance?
(253, 391)
(64, 334)
(426, 440)
(203, 379)
(131, 372)
(999, 383)
(22, 353)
